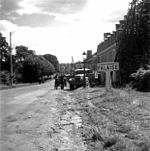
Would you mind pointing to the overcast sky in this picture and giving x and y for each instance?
(64, 28)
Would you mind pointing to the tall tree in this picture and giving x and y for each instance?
(133, 49)
(22, 52)
(35, 67)
(47, 67)
(4, 54)
(52, 59)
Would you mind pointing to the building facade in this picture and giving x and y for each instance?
(106, 52)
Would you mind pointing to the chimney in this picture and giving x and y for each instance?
(122, 22)
(89, 54)
(125, 17)
(117, 26)
(106, 35)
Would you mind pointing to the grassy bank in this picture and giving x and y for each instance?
(116, 121)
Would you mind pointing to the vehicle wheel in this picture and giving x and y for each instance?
(62, 86)
(71, 87)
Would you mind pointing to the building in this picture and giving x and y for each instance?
(106, 52)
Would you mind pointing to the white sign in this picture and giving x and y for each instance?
(96, 75)
(108, 66)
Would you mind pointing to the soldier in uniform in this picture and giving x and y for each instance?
(56, 81)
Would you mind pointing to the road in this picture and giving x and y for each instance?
(35, 118)
(40, 118)
(16, 99)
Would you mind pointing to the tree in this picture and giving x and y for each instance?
(47, 67)
(31, 69)
(52, 59)
(133, 50)
(35, 67)
(4, 54)
(141, 79)
(22, 52)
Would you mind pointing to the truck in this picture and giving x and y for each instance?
(76, 80)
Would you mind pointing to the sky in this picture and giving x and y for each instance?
(64, 28)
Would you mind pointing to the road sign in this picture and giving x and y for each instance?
(108, 66)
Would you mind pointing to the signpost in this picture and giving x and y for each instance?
(107, 67)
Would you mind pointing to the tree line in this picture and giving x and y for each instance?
(133, 53)
(27, 66)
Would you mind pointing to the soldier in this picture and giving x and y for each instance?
(56, 81)
(87, 82)
(65, 81)
(62, 80)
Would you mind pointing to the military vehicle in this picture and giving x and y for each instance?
(76, 80)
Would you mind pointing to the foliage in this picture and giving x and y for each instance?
(27, 66)
(4, 77)
(141, 79)
(48, 68)
(35, 67)
(18, 72)
(4, 54)
(52, 59)
(22, 52)
(133, 48)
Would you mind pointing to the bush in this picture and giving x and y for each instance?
(18, 78)
(141, 79)
(4, 77)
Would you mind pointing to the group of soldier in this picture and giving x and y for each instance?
(60, 80)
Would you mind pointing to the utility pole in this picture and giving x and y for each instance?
(84, 75)
(11, 63)
(84, 57)
(72, 65)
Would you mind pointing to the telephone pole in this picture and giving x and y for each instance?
(11, 63)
